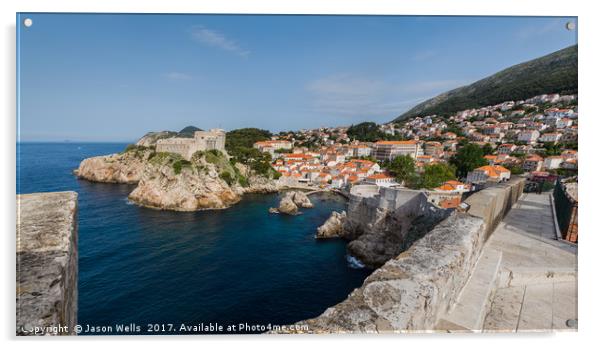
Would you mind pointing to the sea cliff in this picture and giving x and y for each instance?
(209, 180)
(125, 167)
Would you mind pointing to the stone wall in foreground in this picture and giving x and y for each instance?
(410, 292)
(46, 263)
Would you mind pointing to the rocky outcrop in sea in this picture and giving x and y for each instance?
(125, 167)
(292, 201)
(333, 227)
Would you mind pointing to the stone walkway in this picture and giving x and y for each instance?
(537, 287)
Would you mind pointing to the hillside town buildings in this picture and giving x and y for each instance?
(535, 138)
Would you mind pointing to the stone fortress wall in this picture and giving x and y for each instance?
(47, 268)
(202, 141)
(371, 206)
(413, 291)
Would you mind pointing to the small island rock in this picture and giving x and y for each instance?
(333, 227)
(287, 206)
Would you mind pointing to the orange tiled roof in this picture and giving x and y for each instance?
(380, 176)
(396, 142)
(534, 157)
(493, 171)
(450, 203)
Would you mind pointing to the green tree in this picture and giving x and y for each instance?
(436, 174)
(516, 170)
(487, 149)
(404, 169)
(245, 137)
(365, 132)
(467, 159)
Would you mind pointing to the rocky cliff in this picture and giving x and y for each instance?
(383, 224)
(167, 181)
(125, 167)
(333, 227)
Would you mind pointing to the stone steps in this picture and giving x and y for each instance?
(469, 312)
(522, 276)
(537, 307)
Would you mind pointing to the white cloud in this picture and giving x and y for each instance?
(534, 31)
(217, 39)
(177, 76)
(354, 96)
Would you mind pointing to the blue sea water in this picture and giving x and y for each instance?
(232, 266)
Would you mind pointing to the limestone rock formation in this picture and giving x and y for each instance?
(381, 227)
(291, 202)
(333, 227)
(168, 181)
(126, 167)
(171, 183)
(256, 183)
(300, 199)
(287, 206)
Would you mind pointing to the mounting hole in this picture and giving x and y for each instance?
(570, 25)
(27, 22)
(572, 323)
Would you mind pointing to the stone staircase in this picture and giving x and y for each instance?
(468, 314)
(524, 280)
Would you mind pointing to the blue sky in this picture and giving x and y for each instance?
(115, 77)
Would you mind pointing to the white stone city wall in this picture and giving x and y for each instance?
(412, 291)
(47, 268)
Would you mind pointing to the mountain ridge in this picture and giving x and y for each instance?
(553, 73)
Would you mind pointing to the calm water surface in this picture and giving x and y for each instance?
(228, 266)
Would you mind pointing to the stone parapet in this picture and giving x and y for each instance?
(493, 203)
(46, 264)
(414, 290)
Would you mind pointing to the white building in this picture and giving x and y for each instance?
(381, 180)
(388, 150)
(552, 137)
(552, 162)
(529, 136)
(272, 146)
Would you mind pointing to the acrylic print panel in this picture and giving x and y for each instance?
(235, 174)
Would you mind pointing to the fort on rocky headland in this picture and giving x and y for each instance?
(202, 141)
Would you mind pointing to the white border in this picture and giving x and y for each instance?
(590, 108)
